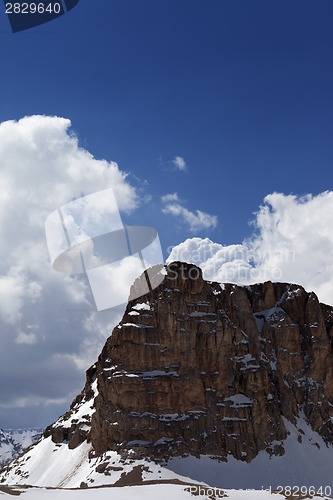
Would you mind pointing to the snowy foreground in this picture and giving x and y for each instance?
(56, 472)
(158, 491)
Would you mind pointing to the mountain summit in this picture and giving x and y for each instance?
(195, 369)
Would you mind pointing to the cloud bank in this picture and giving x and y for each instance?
(48, 323)
(292, 242)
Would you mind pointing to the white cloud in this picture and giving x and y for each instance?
(26, 338)
(12, 286)
(179, 163)
(195, 221)
(31, 401)
(42, 167)
(293, 242)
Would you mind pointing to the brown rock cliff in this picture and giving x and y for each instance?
(201, 368)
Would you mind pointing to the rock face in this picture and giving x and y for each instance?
(201, 368)
(196, 367)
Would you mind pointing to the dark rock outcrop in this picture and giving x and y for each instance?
(201, 368)
(74, 426)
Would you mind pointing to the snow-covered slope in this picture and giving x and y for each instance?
(55, 465)
(153, 491)
(14, 442)
(307, 461)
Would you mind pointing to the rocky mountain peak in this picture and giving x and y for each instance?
(197, 367)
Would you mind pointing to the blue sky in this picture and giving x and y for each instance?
(241, 90)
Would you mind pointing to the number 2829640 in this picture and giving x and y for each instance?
(32, 8)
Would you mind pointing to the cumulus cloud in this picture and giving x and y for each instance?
(292, 242)
(42, 167)
(179, 163)
(195, 221)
